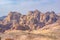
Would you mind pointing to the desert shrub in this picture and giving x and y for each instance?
(9, 39)
(0, 38)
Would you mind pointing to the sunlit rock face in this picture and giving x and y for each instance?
(32, 21)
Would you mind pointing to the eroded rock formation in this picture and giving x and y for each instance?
(34, 20)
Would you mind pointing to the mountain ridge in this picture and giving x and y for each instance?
(34, 20)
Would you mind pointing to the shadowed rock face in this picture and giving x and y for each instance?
(34, 20)
(50, 17)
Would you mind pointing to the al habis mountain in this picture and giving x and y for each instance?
(34, 20)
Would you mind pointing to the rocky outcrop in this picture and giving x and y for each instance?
(50, 17)
(34, 20)
(12, 16)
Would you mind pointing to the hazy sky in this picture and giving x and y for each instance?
(23, 6)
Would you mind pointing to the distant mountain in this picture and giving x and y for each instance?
(1, 18)
(34, 20)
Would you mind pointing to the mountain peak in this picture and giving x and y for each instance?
(36, 11)
(14, 13)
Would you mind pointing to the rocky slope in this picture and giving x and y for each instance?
(32, 21)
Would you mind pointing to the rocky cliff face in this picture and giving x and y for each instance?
(34, 20)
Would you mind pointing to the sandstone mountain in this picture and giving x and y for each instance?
(34, 20)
